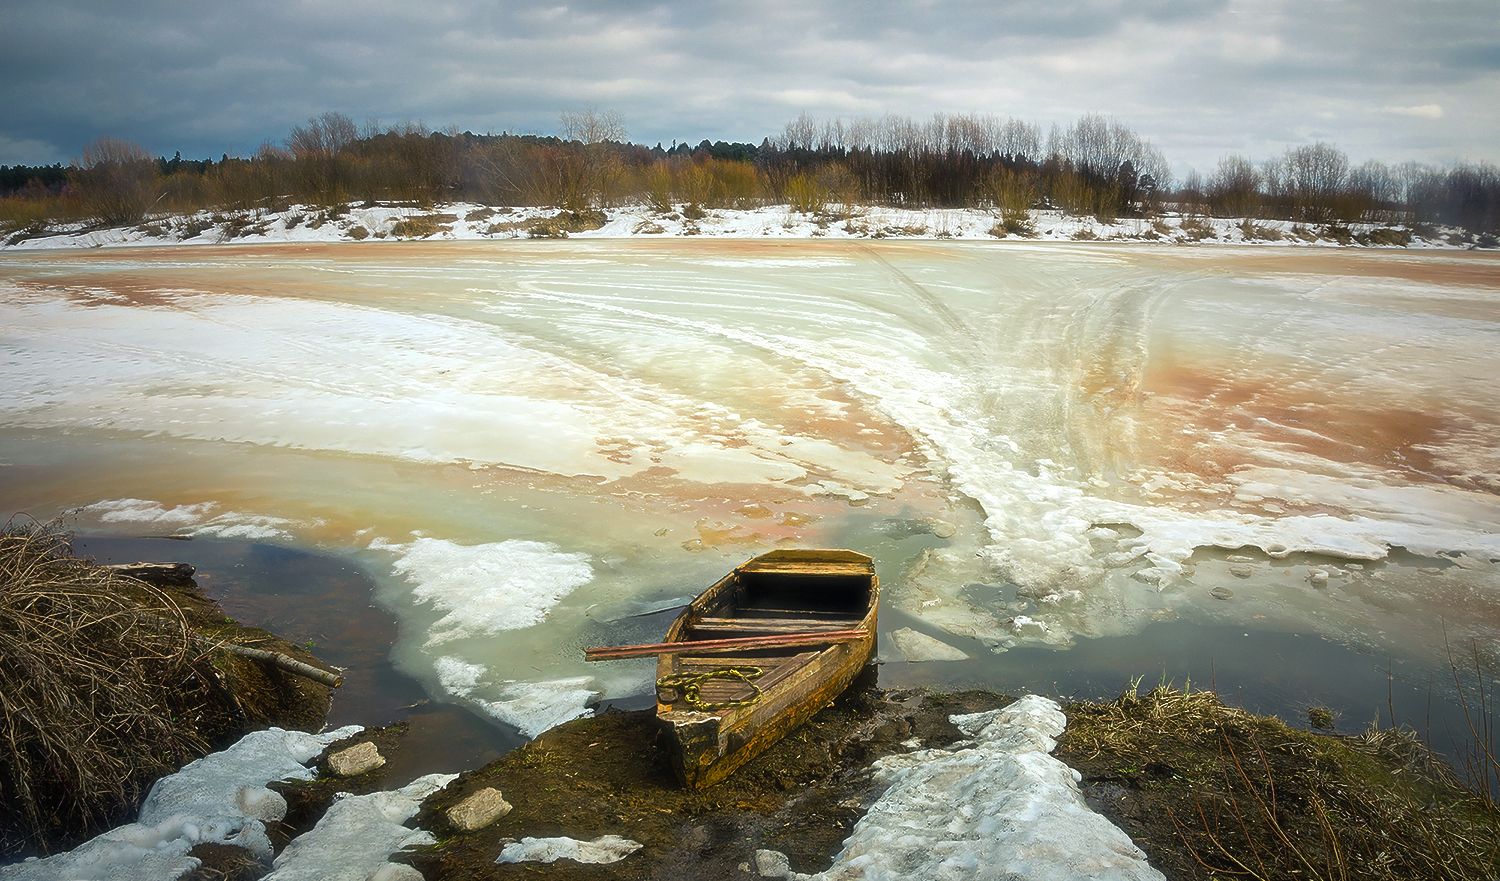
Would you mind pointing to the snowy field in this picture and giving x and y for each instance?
(538, 446)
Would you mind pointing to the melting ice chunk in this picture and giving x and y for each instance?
(995, 807)
(487, 588)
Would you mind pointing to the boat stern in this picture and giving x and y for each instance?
(700, 740)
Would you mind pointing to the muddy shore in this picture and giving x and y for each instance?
(1204, 789)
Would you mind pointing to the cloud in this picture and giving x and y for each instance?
(1422, 111)
(1199, 79)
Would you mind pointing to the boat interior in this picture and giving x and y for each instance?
(765, 603)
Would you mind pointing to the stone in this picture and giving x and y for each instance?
(396, 872)
(478, 810)
(1241, 570)
(356, 760)
(943, 529)
(772, 864)
(1221, 593)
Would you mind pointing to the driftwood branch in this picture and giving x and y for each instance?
(287, 663)
(155, 573)
(613, 652)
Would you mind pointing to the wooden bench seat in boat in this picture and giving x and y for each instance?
(713, 624)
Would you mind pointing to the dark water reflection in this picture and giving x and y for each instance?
(327, 601)
(1265, 671)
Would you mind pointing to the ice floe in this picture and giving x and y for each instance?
(199, 519)
(486, 588)
(915, 645)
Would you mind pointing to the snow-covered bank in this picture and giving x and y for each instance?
(998, 806)
(472, 222)
(219, 799)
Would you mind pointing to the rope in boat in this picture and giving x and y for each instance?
(690, 686)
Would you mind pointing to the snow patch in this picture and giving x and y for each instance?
(355, 838)
(220, 799)
(604, 849)
(995, 807)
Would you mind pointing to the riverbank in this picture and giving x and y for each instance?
(466, 221)
(1203, 789)
(112, 680)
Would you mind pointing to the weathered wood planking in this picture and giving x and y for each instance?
(708, 746)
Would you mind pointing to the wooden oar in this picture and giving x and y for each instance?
(614, 652)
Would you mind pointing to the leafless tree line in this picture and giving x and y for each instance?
(1095, 166)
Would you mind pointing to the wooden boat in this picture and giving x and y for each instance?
(720, 710)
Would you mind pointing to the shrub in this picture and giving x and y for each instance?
(546, 228)
(103, 682)
(804, 195)
(1254, 232)
(1085, 235)
(648, 228)
(420, 226)
(582, 221)
(1338, 233)
(693, 211)
(1197, 229)
(1385, 237)
(358, 233)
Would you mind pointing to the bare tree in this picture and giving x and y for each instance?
(316, 148)
(587, 178)
(1234, 188)
(1315, 177)
(116, 180)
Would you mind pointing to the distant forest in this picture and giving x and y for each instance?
(1094, 167)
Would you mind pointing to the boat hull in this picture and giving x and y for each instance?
(708, 746)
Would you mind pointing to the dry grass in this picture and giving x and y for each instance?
(1248, 796)
(420, 226)
(102, 688)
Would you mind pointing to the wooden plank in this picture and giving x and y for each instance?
(771, 625)
(714, 646)
(731, 661)
(808, 561)
(810, 613)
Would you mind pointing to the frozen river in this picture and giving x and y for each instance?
(532, 447)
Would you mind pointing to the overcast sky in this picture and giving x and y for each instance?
(1391, 79)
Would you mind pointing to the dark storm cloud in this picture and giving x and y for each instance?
(1390, 78)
